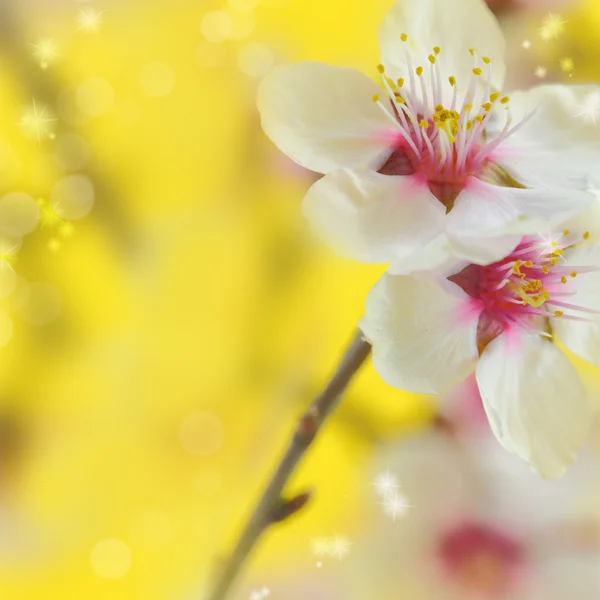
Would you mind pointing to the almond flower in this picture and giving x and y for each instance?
(437, 152)
(500, 321)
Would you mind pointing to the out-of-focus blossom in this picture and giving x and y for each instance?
(441, 157)
(482, 525)
(500, 320)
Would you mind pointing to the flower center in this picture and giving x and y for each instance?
(530, 284)
(480, 557)
(446, 142)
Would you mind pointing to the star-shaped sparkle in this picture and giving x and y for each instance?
(395, 505)
(340, 547)
(46, 51)
(36, 121)
(540, 72)
(386, 483)
(590, 107)
(567, 64)
(89, 20)
(552, 27)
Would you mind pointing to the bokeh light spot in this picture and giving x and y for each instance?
(73, 197)
(94, 97)
(19, 214)
(157, 79)
(151, 529)
(111, 559)
(255, 59)
(6, 328)
(201, 433)
(216, 26)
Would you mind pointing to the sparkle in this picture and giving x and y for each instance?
(54, 244)
(526, 44)
(395, 505)
(340, 547)
(386, 484)
(567, 64)
(540, 72)
(261, 594)
(552, 27)
(45, 51)
(89, 20)
(7, 256)
(590, 107)
(66, 229)
(36, 122)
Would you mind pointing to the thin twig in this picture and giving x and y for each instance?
(271, 508)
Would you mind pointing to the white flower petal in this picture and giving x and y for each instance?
(582, 337)
(324, 117)
(372, 217)
(453, 25)
(556, 146)
(535, 401)
(482, 209)
(423, 333)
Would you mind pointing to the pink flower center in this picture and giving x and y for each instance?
(531, 284)
(446, 143)
(480, 558)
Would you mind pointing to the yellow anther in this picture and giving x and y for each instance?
(504, 99)
(403, 37)
(566, 232)
(400, 82)
(558, 313)
(477, 71)
(553, 244)
(487, 106)
(478, 118)
(554, 260)
(494, 96)
(469, 124)
(557, 252)
(563, 279)
(586, 235)
(381, 68)
(529, 264)
(486, 60)
(399, 99)
(439, 107)
(468, 107)
(573, 274)
(472, 51)
(419, 71)
(390, 82)
(375, 98)
(436, 50)
(431, 59)
(424, 124)
(545, 269)
(452, 80)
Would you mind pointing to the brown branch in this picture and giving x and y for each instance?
(271, 508)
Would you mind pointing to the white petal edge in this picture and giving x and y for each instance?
(324, 117)
(557, 145)
(372, 217)
(482, 209)
(535, 401)
(453, 25)
(423, 333)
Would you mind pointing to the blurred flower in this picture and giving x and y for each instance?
(483, 526)
(418, 166)
(429, 334)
